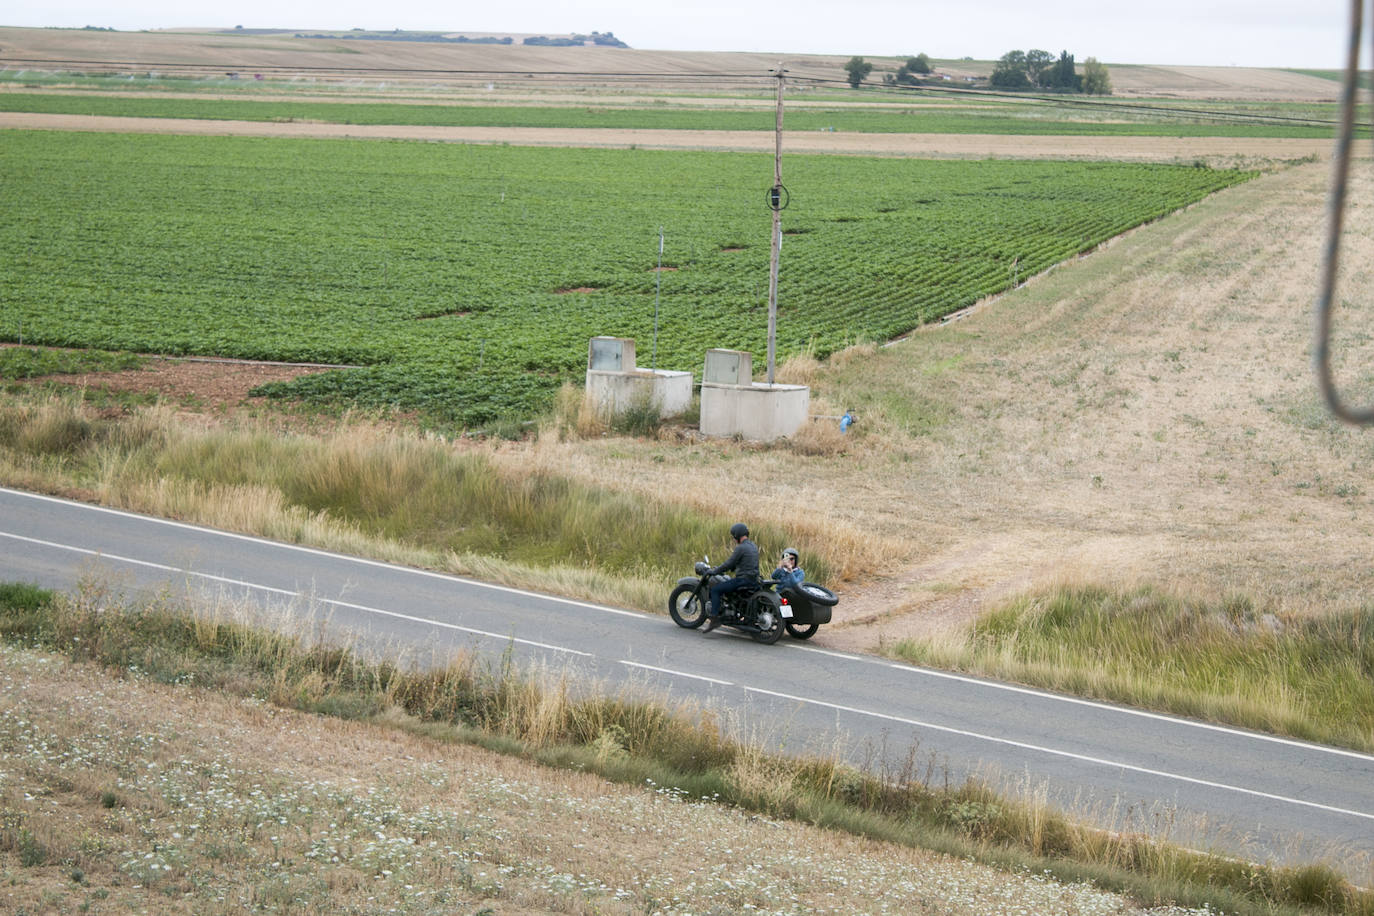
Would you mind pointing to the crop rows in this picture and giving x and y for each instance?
(466, 280)
(1022, 117)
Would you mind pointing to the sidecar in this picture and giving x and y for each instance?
(809, 605)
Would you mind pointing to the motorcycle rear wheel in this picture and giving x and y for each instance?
(769, 623)
(686, 607)
(801, 630)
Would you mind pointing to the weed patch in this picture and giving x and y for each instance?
(1308, 677)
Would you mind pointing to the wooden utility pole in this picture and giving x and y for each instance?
(776, 202)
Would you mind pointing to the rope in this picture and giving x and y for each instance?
(1321, 351)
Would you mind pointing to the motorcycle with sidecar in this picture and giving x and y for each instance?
(764, 612)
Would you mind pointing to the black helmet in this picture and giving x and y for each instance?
(791, 552)
(739, 530)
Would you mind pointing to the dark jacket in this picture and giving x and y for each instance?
(744, 561)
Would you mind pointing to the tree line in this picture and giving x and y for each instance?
(1015, 70)
(1037, 69)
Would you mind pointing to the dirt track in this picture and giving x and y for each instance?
(974, 146)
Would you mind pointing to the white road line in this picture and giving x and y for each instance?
(381, 612)
(314, 551)
(1094, 704)
(988, 684)
(1140, 713)
(806, 700)
(1114, 764)
(695, 677)
(849, 657)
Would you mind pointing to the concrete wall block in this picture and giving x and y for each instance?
(760, 413)
(613, 393)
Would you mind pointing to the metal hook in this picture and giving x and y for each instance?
(1321, 351)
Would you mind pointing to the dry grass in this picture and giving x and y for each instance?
(1146, 413)
(123, 795)
(249, 50)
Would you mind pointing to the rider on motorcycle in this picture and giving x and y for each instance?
(745, 564)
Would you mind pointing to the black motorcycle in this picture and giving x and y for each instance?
(762, 612)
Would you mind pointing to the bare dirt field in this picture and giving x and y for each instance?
(217, 386)
(978, 146)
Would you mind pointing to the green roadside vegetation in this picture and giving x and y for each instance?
(1310, 678)
(406, 497)
(929, 113)
(629, 741)
(1337, 76)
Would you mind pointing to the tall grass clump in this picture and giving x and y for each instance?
(574, 415)
(547, 718)
(358, 485)
(1227, 661)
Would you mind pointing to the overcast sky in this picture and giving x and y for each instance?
(1258, 33)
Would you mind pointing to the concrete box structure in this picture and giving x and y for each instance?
(728, 367)
(611, 354)
(614, 385)
(753, 411)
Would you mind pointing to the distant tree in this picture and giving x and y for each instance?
(909, 73)
(1096, 79)
(1037, 64)
(1062, 75)
(1010, 72)
(1028, 69)
(858, 70)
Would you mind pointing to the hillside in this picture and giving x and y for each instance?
(184, 800)
(1148, 411)
(1077, 452)
(166, 50)
(1142, 414)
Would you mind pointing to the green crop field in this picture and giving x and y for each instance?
(466, 280)
(935, 113)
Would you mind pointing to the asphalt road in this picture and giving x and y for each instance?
(1245, 794)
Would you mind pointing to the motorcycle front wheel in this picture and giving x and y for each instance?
(801, 630)
(686, 607)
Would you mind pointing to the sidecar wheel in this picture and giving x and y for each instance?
(686, 607)
(819, 594)
(802, 631)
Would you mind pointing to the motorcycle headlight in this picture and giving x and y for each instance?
(701, 568)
